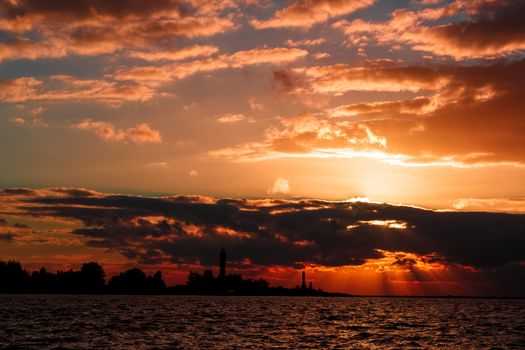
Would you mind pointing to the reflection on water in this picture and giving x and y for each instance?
(176, 322)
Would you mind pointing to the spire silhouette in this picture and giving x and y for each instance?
(222, 267)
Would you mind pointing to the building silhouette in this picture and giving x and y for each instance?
(303, 284)
(222, 266)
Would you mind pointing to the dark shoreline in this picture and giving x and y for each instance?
(327, 294)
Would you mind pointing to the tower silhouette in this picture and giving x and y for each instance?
(303, 285)
(222, 265)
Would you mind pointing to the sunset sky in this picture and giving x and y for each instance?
(378, 143)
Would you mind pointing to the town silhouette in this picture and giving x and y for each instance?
(91, 279)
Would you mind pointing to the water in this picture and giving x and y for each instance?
(179, 322)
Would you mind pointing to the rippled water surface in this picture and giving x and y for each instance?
(177, 322)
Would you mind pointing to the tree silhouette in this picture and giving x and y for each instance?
(92, 277)
(13, 278)
(136, 281)
(43, 281)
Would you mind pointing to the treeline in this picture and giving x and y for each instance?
(90, 279)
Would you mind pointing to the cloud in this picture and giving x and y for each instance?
(19, 121)
(321, 55)
(453, 102)
(239, 59)
(309, 136)
(16, 193)
(17, 90)
(340, 78)
(280, 186)
(6, 237)
(506, 205)
(233, 118)
(216, 6)
(268, 233)
(492, 29)
(23, 48)
(67, 88)
(31, 12)
(495, 29)
(420, 105)
(158, 165)
(176, 55)
(93, 27)
(33, 123)
(255, 104)
(306, 13)
(190, 27)
(188, 230)
(266, 55)
(141, 133)
(9, 233)
(305, 42)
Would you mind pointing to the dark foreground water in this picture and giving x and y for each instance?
(176, 322)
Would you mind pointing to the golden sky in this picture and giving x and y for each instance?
(416, 103)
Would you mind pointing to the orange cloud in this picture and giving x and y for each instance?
(190, 27)
(148, 75)
(18, 90)
(238, 59)
(32, 123)
(232, 118)
(309, 136)
(24, 15)
(406, 262)
(460, 109)
(141, 133)
(494, 29)
(420, 105)
(176, 55)
(23, 48)
(341, 78)
(19, 121)
(94, 28)
(67, 88)
(305, 42)
(265, 55)
(505, 205)
(280, 186)
(306, 13)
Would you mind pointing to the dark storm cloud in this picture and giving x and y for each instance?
(183, 230)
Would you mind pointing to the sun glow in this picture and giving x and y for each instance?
(385, 223)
